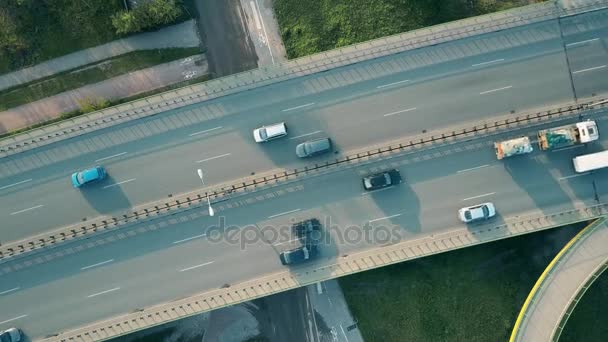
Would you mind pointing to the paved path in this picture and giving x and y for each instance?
(180, 35)
(557, 288)
(263, 30)
(122, 86)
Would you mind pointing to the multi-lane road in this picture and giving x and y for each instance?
(176, 256)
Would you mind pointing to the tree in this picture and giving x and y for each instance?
(10, 40)
(126, 22)
(148, 15)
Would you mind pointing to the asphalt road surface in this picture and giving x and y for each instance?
(357, 106)
(180, 255)
(184, 254)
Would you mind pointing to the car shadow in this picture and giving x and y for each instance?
(106, 196)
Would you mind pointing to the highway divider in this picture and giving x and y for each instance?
(267, 75)
(330, 268)
(230, 190)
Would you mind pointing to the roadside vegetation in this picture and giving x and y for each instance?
(471, 294)
(585, 323)
(103, 70)
(32, 31)
(308, 27)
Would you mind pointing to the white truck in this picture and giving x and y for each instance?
(590, 162)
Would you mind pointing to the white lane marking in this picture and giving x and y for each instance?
(211, 158)
(400, 111)
(494, 90)
(343, 332)
(256, 17)
(576, 175)
(28, 209)
(589, 69)
(123, 182)
(298, 107)
(384, 218)
(103, 292)
(567, 148)
(13, 319)
(391, 84)
(305, 135)
(112, 156)
(285, 213)
(488, 62)
(288, 241)
(190, 238)
(97, 264)
(196, 266)
(479, 196)
(374, 191)
(473, 168)
(15, 184)
(8, 291)
(583, 42)
(265, 34)
(205, 131)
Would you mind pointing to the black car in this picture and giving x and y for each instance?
(382, 180)
(306, 227)
(299, 255)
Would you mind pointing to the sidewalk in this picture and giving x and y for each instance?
(180, 35)
(122, 86)
(328, 301)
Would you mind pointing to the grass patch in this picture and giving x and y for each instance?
(35, 31)
(97, 72)
(472, 294)
(308, 27)
(76, 113)
(585, 322)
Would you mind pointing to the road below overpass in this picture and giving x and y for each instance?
(469, 80)
(179, 255)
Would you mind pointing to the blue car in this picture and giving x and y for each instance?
(87, 176)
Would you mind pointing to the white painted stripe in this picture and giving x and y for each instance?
(197, 266)
(384, 218)
(256, 17)
(589, 69)
(298, 107)
(15, 184)
(473, 168)
(576, 175)
(190, 238)
(488, 62)
(494, 90)
(285, 213)
(583, 42)
(205, 131)
(8, 291)
(401, 111)
(13, 319)
(479, 196)
(288, 241)
(567, 148)
(211, 158)
(123, 182)
(103, 292)
(28, 209)
(305, 135)
(112, 156)
(97, 264)
(391, 84)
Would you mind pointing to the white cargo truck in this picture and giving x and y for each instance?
(590, 162)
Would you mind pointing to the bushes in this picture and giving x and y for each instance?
(148, 15)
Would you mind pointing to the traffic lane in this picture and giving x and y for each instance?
(160, 189)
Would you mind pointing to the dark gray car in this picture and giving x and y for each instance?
(313, 147)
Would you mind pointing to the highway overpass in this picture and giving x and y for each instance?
(172, 257)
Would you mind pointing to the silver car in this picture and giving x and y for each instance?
(266, 133)
(478, 212)
(313, 147)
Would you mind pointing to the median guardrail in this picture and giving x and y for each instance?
(313, 64)
(223, 192)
